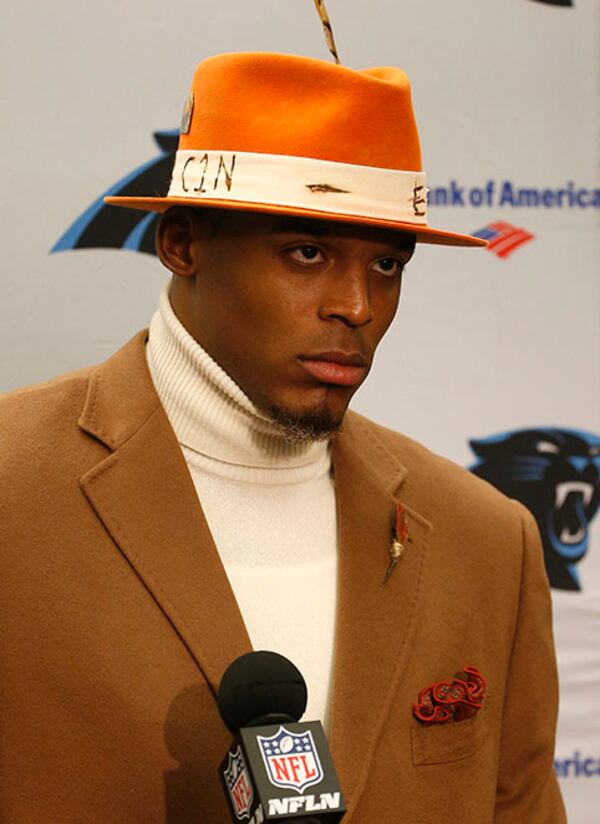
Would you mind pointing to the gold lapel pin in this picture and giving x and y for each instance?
(397, 547)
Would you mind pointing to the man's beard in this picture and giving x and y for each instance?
(305, 427)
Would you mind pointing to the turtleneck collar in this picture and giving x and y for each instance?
(208, 411)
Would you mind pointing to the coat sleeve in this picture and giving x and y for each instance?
(527, 789)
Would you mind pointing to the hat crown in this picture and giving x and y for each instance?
(298, 106)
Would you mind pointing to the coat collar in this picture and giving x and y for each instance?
(375, 622)
(144, 495)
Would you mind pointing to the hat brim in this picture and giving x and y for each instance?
(424, 234)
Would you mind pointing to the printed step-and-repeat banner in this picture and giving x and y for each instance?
(492, 360)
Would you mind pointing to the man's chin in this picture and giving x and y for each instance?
(306, 426)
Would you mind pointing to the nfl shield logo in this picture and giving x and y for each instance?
(239, 784)
(291, 759)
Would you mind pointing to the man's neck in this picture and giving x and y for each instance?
(209, 412)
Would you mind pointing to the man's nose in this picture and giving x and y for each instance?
(348, 298)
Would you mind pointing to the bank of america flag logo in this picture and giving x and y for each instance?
(291, 759)
(503, 238)
(239, 785)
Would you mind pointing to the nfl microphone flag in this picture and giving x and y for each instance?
(280, 772)
(277, 769)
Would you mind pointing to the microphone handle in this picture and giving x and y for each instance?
(311, 820)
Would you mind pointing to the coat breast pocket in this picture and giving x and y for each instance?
(444, 743)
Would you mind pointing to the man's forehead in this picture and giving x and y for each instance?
(332, 228)
(228, 223)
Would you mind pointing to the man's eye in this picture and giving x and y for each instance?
(306, 254)
(388, 266)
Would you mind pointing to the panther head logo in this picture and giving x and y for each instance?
(555, 473)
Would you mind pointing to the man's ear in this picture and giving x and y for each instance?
(175, 244)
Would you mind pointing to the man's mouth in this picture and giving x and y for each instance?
(336, 367)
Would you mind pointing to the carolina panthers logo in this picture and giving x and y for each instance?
(555, 473)
(102, 226)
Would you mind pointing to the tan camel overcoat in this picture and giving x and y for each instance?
(117, 622)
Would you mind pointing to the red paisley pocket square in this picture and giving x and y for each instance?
(447, 701)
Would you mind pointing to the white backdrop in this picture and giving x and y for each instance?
(506, 91)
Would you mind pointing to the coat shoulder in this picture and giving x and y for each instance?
(24, 410)
(47, 417)
(493, 532)
(432, 481)
(39, 428)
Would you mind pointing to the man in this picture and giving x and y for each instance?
(205, 491)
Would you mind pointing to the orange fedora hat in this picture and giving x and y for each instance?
(278, 133)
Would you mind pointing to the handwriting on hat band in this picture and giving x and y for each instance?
(326, 187)
(417, 199)
(198, 170)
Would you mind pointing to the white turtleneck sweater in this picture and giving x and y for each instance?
(270, 505)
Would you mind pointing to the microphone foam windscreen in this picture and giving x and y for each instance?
(259, 684)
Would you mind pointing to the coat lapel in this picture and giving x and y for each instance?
(144, 496)
(375, 621)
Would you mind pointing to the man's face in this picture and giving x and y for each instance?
(292, 309)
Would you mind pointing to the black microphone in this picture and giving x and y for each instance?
(276, 769)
